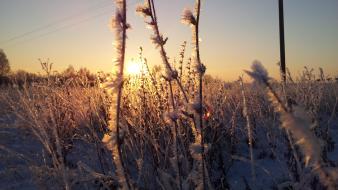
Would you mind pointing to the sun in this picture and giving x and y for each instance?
(134, 68)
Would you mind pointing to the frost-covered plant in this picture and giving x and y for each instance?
(180, 68)
(147, 10)
(297, 122)
(114, 138)
(249, 128)
(192, 19)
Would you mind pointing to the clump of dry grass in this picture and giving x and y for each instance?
(296, 121)
(56, 116)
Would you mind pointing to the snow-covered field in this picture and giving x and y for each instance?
(52, 136)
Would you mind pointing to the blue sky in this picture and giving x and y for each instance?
(233, 33)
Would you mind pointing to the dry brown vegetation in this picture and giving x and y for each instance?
(64, 127)
(170, 127)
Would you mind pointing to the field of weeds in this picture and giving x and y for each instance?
(53, 136)
(168, 127)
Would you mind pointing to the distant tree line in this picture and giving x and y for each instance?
(69, 77)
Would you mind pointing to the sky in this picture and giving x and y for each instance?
(234, 33)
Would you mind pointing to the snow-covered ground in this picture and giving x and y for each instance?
(20, 151)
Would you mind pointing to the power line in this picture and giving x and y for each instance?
(63, 27)
(62, 20)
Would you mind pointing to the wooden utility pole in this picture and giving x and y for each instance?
(282, 40)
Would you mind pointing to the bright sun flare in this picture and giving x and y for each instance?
(133, 68)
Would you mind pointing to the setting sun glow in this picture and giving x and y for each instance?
(133, 68)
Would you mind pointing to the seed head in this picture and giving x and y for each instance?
(188, 18)
(200, 68)
(258, 73)
(143, 10)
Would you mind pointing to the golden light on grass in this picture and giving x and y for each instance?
(134, 68)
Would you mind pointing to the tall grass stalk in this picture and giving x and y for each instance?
(151, 75)
(297, 122)
(175, 136)
(249, 129)
(193, 20)
(148, 11)
(119, 23)
(201, 71)
(181, 60)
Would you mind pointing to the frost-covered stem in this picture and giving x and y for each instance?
(189, 78)
(121, 34)
(297, 122)
(153, 80)
(197, 13)
(327, 133)
(285, 109)
(168, 66)
(175, 136)
(182, 59)
(192, 19)
(61, 162)
(249, 129)
(161, 45)
(201, 73)
(269, 87)
(294, 152)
